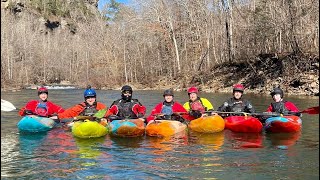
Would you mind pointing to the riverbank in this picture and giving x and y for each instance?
(296, 75)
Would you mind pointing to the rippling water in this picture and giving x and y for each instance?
(226, 155)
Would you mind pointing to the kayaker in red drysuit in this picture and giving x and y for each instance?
(237, 103)
(165, 110)
(41, 107)
(279, 105)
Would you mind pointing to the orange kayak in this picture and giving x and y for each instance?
(209, 124)
(164, 128)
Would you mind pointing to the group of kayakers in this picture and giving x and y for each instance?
(128, 108)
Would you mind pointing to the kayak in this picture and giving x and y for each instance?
(34, 124)
(88, 129)
(245, 124)
(208, 124)
(127, 128)
(164, 128)
(283, 124)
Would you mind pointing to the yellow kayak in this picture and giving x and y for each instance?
(209, 124)
(164, 128)
(88, 129)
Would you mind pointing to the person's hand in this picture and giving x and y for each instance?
(103, 121)
(214, 114)
(27, 112)
(152, 121)
(140, 115)
(195, 113)
(204, 115)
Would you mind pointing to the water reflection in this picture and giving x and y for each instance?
(127, 142)
(245, 140)
(30, 142)
(213, 140)
(283, 140)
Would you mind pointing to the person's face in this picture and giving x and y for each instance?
(193, 96)
(237, 94)
(90, 100)
(127, 93)
(168, 98)
(277, 97)
(43, 96)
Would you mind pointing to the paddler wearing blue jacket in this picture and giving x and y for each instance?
(237, 103)
(196, 106)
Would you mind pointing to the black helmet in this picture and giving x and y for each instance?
(168, 92)
(277, 91)
(126, 88)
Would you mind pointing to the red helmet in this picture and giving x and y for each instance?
(42, 89)
(193, 90)
(238, 87)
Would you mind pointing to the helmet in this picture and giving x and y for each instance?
(89, 92)
(193, 90)
(277, 91)
(168, 92)
(126, 88)
(238, 87)
(42, 89)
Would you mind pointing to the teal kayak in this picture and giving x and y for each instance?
(35, 124)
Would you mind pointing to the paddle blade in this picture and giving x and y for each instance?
(100, 114)
(7, 106)
(312, 110)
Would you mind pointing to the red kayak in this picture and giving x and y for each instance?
(283, 124)
(246, 124)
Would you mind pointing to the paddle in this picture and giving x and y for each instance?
(160, 115)
(311, 110)
(7, 106)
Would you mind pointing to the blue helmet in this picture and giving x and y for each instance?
(89, 92)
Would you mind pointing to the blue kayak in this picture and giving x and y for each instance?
(35, 124)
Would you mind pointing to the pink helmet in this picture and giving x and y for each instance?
(238, 87)
(42, 89)
(193, 90)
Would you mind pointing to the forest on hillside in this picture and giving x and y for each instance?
(157, 42)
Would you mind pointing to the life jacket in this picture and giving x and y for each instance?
(167, 110)
(42, 109)
(279, 107)
(236, 105)
(88, 110)
(197, 105)
(125, 108)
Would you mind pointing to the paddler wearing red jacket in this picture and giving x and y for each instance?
(279, 105)
(87, 108)
(167, 108)
(41, 107)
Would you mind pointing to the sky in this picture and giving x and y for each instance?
(101, 3)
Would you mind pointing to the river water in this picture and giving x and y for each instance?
(58, 155)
